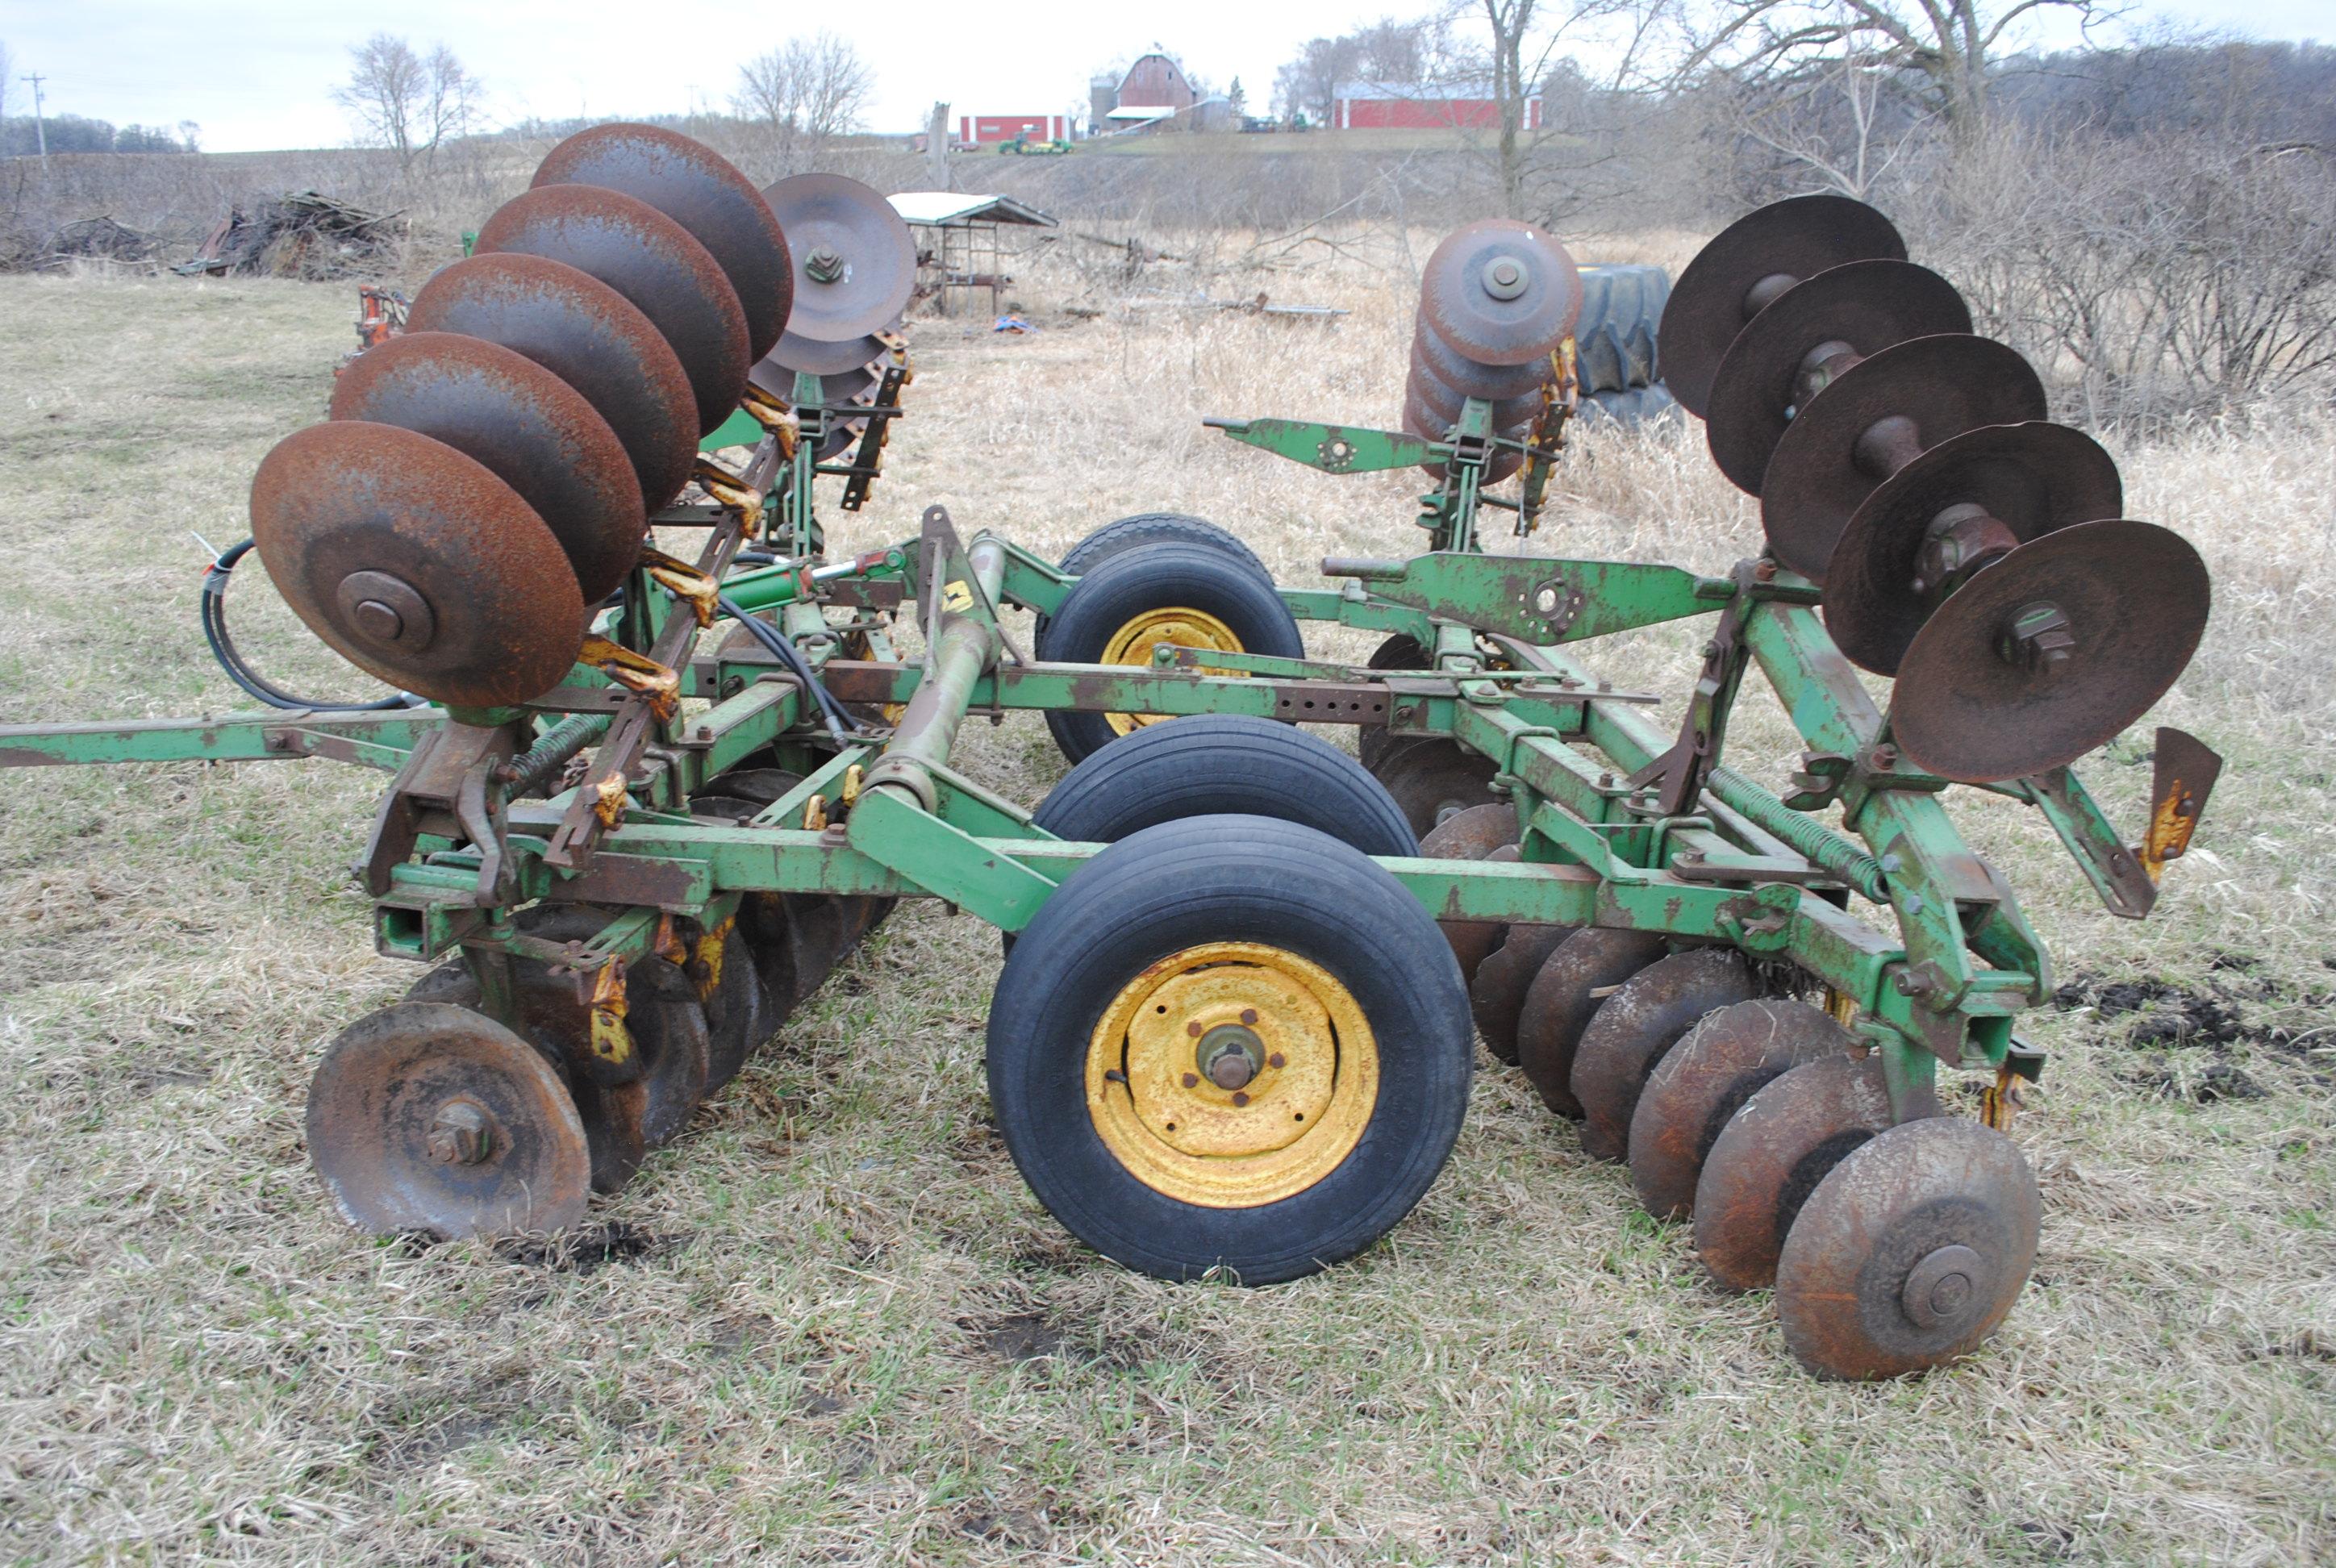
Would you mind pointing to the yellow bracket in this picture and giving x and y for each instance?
(852, 777)
(725, 486)
(636, 673)
(774, 417)
(1999, 1102)
(2171, 824)
(611, 1041)
(814, 813)
(686, 583)
(610, 799)
(711, 948)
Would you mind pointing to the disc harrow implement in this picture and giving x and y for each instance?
(642, 804)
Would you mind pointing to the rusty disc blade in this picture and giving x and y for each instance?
(1910, 1253)
(416, 564)
(1704, 1080)
(817, 357)
(1973, 704)
(1793, 239)
(1771, 1155)
(803, 936)
(1636, 1027)
(1497, 997)
(1500, 292)
(1565, 996)
(1432, 779)
(1909, 397)
(1421, 421)
(2035, 478)
(737, 1009)
(855, 261)
(1431, 355)
(591, 338)
(704, 192)
(535, 432)
(834, 386)
(1866, 304)
(653, 262)
(1432, 394)
(1474, 835)
(425, 1116)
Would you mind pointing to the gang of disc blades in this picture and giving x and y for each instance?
(1929, 388)
(1866, 304)
(1421, 421)
(1500, 292)
(426, 1116)
(704, 192)
(1447, 404)
(537, 434)
(1798, 238)
(652, 261)
(829, 217)
(416, 564)
(1432, 355)
(591, 338)
(2033, 477)
(2136, 598)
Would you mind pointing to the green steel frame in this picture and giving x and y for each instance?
(1625, 826)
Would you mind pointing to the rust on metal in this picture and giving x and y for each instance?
(1875, 419)
(426, 1116)
(704, 192)
(855, 264)
(1981, 697)
(1910, 1251)
(1747, 266)
(653, 262)
(1580, 974)
(2184, 776)
(1500, 292)
(538, 434)
(1497, 997)
(1634, 1028)
(1702, 1083)
(1815, 330)
(1476, 833)
(1771, 1155)
(591, 338)
(416, 564)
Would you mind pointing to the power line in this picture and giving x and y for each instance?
(40, 129)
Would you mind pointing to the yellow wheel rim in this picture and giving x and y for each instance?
(1231, 1075)
(1185, 627)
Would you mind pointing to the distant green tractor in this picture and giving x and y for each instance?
(1025, 142)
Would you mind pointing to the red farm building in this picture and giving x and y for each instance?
(1412, 106)
(989, 129)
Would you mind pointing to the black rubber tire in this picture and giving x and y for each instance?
(1632, 410)
(1150, 577)
(1228, 879)
(1214, 763)
(1149, 528)
(1615, 337)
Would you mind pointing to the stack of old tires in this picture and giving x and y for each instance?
(1615, 347)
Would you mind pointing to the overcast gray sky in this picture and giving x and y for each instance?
(257, 73)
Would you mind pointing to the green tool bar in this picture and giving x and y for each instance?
(374, 739)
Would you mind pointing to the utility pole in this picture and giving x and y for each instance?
(40, 129)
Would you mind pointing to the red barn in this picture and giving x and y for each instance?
(1155, 81)
(1411, 106)
(989, 129)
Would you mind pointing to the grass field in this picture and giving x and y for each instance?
(829, 1324)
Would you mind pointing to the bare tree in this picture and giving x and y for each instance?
(1948, 45)
(1528, 47)
(1385, 51)
(411, 104)
(805, 92)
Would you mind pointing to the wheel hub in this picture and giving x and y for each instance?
(1178, 625)
(1231, 1075)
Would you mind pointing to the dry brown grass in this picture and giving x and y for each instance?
(843, 1331)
